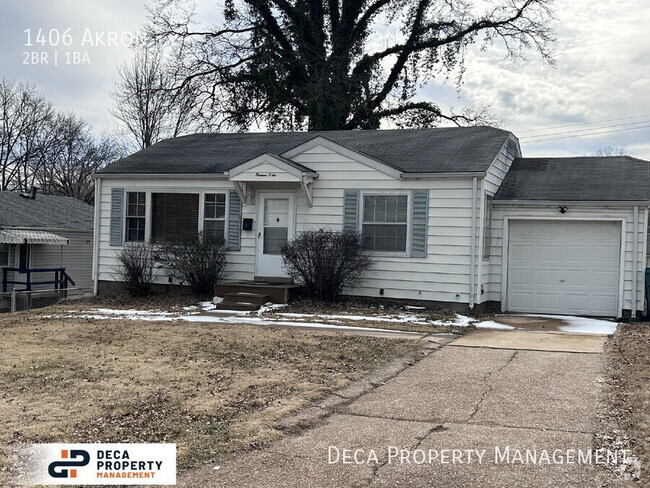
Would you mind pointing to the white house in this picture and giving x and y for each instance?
(453, 216)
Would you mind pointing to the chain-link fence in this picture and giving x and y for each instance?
(17, 301)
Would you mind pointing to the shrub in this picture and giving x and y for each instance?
(326, 261)
(198, 261)
(136, 268)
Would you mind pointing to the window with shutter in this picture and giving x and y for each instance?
(136, 205)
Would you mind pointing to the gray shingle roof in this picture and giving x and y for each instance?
(614, 178)
(44, 212)
(440, 150)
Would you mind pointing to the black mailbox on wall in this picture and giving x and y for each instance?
(247, 224)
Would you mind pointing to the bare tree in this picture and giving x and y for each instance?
(609, 151)
(144, 103)
(72, 159)
(338, 64)
(25, 120)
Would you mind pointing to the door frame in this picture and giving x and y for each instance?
(291, 230)
(506, 245)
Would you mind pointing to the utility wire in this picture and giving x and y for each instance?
(561, 133)
(581, 124)
(585, 135)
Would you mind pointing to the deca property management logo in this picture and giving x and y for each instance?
(97, 464)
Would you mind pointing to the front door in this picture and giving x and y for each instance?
(276, 217)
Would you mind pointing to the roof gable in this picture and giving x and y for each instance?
(269, 167)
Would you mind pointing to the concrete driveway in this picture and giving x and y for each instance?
(464, 415)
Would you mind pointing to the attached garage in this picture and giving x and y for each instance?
(571, 236)
(564, 267)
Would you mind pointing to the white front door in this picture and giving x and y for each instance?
(276, 221)
(565, 267)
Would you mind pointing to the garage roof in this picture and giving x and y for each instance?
(612, 178)
(440, 150)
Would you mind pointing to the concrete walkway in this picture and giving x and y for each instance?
(400, 426)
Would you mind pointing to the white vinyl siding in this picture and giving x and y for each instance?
(76, 258)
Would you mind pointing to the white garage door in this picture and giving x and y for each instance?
(564, 267)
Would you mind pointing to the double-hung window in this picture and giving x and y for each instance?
(384, 226)
(214, 216)
(4, 255)
(136, 216)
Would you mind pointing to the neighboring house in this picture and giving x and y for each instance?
(453, 216)
(45, 232)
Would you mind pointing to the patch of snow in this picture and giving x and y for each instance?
(458, 320)
(208, 305)
(257, 321)
(583, 325)
(270, 308)
(491, 324)
(413, 307)
(191, 307)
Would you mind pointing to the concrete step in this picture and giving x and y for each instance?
(247, 297)
(277, 292)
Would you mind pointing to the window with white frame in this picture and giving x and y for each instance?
(384, 225)
(4, 255)
(214, 216)
(136, 211)
(487, 228)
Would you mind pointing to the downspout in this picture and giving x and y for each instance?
(98, 192)
(472, 252)
(635, 261)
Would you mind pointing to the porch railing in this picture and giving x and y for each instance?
(61, 279)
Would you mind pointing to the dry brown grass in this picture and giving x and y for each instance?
(628, 392)
(212, 389)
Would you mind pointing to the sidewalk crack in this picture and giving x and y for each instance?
(490, 386)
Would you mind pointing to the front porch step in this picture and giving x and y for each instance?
(276, 292)
(242, 301)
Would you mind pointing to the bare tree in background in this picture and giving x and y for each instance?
(609, 151)
(338, 64)
(72, 159)
(144, 103)
(26, 120)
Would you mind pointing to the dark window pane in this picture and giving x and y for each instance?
(135, 229)
(385, 208)
(174, 215)
(274, 239)
(214, 228)
(4, 254)
(215, 206)
(384, 237)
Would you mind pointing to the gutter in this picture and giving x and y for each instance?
(458, 174)
(577, 203)
(163, 176)
(95, 268)
(472, 252)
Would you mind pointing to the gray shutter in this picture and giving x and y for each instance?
(234, 222)
(350, 210)
(419, 223)
(117, 197)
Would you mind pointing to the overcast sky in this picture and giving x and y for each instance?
(597, 95)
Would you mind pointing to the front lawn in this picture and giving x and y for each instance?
(211, 388)
(627, 414)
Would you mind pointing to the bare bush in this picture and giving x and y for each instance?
(198, 261)
(136, 268)
(326, 262)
